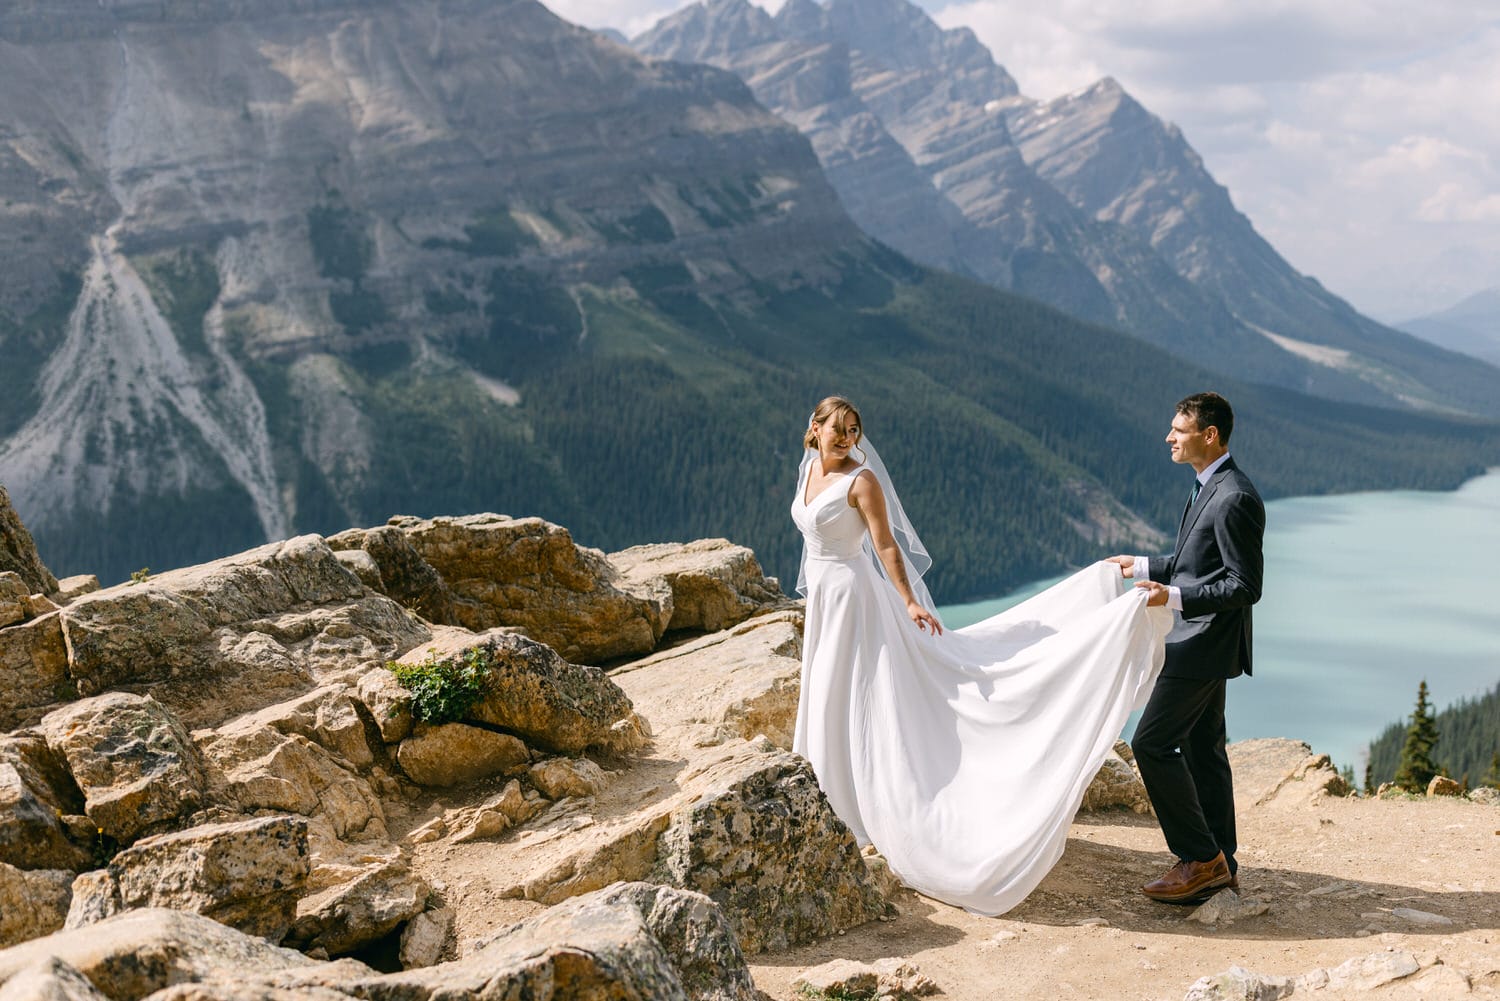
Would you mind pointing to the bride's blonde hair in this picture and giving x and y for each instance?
(841, 412)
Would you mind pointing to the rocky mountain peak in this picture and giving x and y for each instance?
(803, 19)
(901, 36)
(709, 31)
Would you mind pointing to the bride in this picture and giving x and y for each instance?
(962, 755)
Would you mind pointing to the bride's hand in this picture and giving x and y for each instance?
(923, 618)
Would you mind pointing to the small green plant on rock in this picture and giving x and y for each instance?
(444, 689)
(141, 576)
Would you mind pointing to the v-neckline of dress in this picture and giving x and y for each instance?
(806, 503)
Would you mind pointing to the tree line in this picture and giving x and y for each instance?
(1462, 742)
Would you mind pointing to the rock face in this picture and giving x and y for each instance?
(454, 754)
(1116, 785)
(36, 796)
(18, 553)
(344, 917)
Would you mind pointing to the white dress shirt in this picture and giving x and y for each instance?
(1142, 568)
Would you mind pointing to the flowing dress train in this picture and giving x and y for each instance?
(962, 757)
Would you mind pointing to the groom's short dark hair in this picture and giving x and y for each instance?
(1209, 410)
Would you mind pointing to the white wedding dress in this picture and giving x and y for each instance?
(962, 757)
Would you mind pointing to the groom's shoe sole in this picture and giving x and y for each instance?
(1192, 882)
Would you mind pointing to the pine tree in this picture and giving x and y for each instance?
(1417, 767)
(1492, 777)
(1369, 778)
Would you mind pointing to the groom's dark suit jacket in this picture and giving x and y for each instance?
(1218, 566)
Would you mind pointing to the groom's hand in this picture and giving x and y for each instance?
(1126, 564)
(1158, 592)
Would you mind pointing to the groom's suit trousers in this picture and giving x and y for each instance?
(1179, 748)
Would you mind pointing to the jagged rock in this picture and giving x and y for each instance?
(740, 683)
(328, 716)
(403, 574)
(137, 768)
(1226, 908)
(32, 902)
(1442, 785)
(495, 815)
(425, 937)
(535, 694)
(254, 766)
(527, 573)
(36, 793)
(890, 979)
(767, 848)
(389, 704)
(556, 778)
(709, 584)
(348, 915)
(1116, 785)
(1487, 795)
(281, 615)
(135, 953)
(1239, 984)
(455, 753)
(75, 587)
(13, 599)
(1365, 973)
(18, 553)
(246, 874)
(886, 881)
(33, 670)
(49, 979)
(362, 565)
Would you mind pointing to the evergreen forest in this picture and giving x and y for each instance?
(1467, 741)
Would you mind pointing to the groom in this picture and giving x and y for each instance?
(1210, 581)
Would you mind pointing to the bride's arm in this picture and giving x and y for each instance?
(865, 494)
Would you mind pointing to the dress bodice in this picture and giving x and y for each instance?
(832, 528)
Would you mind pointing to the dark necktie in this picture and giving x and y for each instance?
(1193, 498)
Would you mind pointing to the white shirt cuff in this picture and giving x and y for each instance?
(1174, 598)
(1142, 568)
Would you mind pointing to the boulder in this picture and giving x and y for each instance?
(767, 848)
(330, 716)
(557, 778)
(737, 684)
(1115, 786)
(1275, 769)
(96, 896)
(36, 794)
(1487, 795)
(1364, 973)
(356, 912)
(246, 874)
(280, 617)
(403, 574)
(455, 754)
(1442, 785)
(138, 770)
(33, 670)
(33, 902)
(1240, 984)
(18, 553)
(75, 587)
(1227, 907)
(527, 573)
(710, 584)
(253, 766)
(49, 979)
(533, 693)
(135, 953)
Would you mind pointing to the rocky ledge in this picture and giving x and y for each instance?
(214, 784)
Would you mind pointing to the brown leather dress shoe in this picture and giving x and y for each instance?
(1191, 882)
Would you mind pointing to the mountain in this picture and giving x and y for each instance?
(1471, 327)
(281, 268)
(1088, 202)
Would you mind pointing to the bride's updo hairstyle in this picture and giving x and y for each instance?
(838, 410)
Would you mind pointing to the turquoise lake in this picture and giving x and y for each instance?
(1365, 596)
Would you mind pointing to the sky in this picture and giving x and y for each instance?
(1361, 137)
